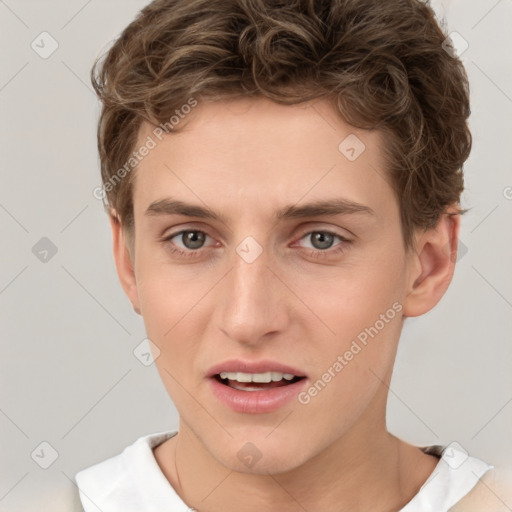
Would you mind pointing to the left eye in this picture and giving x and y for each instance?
(322, 240)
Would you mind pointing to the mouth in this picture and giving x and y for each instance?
(256, 381)
(256, 393)
(255, 387)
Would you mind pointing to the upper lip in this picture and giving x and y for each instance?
(262, 366)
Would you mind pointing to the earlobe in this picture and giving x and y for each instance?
(431, 265)
(123, 261)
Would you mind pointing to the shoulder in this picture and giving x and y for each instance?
(127, 480)
(493, 493)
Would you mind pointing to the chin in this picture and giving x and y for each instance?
(260, 456)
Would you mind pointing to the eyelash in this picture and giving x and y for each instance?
(314, 253)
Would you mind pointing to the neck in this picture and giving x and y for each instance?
(364, 467)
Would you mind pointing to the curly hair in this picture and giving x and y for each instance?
(384, 65)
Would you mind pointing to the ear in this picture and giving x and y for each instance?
(124, 264)
(431, 265)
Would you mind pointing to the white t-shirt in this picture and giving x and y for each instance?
(133, 481)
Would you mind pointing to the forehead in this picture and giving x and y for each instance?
(241, 153)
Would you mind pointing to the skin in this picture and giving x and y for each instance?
(244, 159)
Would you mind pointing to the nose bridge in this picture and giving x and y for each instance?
(250, 306)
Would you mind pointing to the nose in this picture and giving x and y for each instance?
(252, 302)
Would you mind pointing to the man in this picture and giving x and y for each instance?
(283, 183)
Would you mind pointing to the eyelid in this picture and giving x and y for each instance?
(168, 237)
(332, 231)
(306, 231)
(170, 232)
(330, 250)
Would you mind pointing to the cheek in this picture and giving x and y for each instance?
(172, 324)
(354, 360)
(356, 326)
(351, 298)
(172, 312)
(167, 293)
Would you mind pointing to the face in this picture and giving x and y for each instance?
(259, 268)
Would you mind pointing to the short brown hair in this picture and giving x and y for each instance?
(383, 63)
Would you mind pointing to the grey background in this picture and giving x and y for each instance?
(68, 373)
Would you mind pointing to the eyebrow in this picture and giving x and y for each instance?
(337, 206)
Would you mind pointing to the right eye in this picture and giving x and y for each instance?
(188, 243)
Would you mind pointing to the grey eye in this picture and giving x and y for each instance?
(321, 239)
(193, 239)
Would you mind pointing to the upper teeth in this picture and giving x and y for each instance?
(256, 377)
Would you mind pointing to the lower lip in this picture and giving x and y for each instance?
(256, 402)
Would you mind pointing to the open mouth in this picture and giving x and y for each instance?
(237, 383)
(256, 393)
